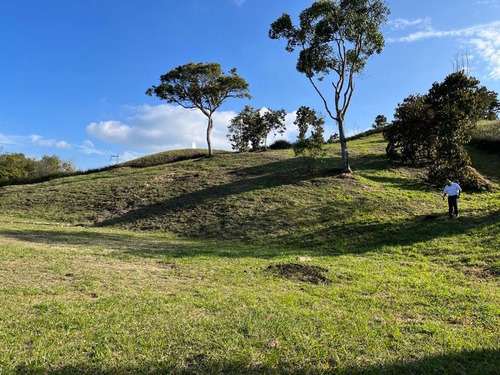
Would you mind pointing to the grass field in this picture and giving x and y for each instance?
(249, 264)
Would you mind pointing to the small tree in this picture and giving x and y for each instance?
(253, 126)
(333, 138)
(307, 117)
(273, 121)
(203, 86)
(380, 122)
(238, 129)
(334, 37)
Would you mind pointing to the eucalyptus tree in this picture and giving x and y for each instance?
(202, 86)
(334, 37)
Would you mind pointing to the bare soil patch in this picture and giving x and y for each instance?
(302, 272)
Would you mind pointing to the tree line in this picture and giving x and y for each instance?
(18, 168)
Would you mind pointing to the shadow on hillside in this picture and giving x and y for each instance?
(370, 237)
(479, 362)
(399, 182)
(337, 239)
(267, 176)
(369, 162)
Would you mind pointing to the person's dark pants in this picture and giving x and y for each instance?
(452, 205)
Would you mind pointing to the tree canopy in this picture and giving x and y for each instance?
(203, 86)
(434, 128)
(15, 168)
(251, 127)
(334, 37)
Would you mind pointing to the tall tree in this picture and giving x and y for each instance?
(203, 86)
(334, 37)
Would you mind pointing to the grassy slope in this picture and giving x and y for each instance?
(410, 291)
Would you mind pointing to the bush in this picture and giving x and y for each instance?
(468, 178)
(311, 150)
(281, 144)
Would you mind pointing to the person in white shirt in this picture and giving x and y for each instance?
(453, 190)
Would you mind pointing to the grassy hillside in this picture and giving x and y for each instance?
(247, 263)
(486, 135)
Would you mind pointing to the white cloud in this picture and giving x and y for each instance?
(38, 140)
(63, 144)
(485, 39)
(163, 127)
(239, 2)
(167, 127)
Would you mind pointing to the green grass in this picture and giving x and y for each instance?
(486, 135)
(174, 269)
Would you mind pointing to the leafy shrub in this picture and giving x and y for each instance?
(281, 144)
(311, 150)
(468, 178)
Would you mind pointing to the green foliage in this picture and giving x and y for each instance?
(436, 127)
(17, 168)
(412, 136)
(307, 118)
(333, 138)
(251, 127)
(280, 144)
(311, 150)
(14, 167)
(202, 86)
(489, 104)
(334, 37)
(380, 122)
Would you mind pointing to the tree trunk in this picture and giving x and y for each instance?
(346, 168)
(209, 130)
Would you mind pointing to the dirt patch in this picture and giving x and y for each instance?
(302, 272)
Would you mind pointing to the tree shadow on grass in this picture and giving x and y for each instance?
(337, 239)
(399, 182)
(271, 175)
(479, 362)
(372, 236)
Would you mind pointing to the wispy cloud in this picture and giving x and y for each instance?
(402, 23)
(485, 40)
(486, 2)
(10, 139)
(238, 2)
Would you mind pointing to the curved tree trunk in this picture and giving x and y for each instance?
(209, 130)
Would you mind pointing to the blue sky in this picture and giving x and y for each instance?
(73, 73)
